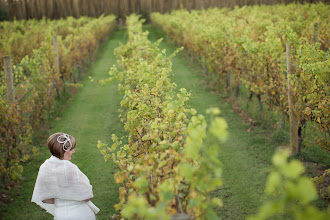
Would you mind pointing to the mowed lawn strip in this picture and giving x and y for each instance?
(90, 116)
(245, 155)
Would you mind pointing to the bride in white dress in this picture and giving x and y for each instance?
(61, 188)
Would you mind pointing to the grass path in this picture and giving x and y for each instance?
(90, 116)
(244, 155)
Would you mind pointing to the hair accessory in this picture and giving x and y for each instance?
(63, 139)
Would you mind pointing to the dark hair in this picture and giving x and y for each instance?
(56, 148)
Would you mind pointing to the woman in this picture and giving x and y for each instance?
(61, 188)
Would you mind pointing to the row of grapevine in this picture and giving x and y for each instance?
(291, 194)
(40, 73)
(19, 38)
(280, 53)
(165, 169)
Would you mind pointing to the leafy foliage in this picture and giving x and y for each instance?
(248, 45)
(294, 192)
(166, 168)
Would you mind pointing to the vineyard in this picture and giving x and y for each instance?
(160, 138)
(269, 50)
(46, 58)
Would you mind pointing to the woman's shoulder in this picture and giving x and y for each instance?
(70, 165)
(54, 163)
(46, 164)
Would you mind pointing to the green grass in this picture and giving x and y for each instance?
(90, 116)
(245, 155)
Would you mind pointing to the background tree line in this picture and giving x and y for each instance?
(54, 9)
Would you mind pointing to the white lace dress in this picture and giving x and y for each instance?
(63, 181)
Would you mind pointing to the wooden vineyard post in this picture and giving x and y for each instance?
(291, 102)
(228, 79)
(316, 30)
(56, 64)
(57, 60)
(9, 79)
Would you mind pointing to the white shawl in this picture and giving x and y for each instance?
(61, 179)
